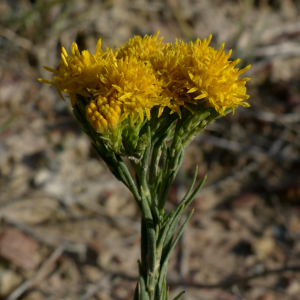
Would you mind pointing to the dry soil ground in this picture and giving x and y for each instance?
(70, 230)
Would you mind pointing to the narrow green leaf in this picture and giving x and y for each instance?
(157, 214)
(166, 233)
(110, 161)
(156, 153)
(167, 218)
(157, 184)
(194, 132)
(164, 267)
(164, 156)
(130, 181)
(143, 291)
(137, 292)
(198, 188)
(162, 295)
(165, 128)
(170, 228)
(179, 295)
(170, 235)
(172, 168)
(162, 291)
(191, 186)
(179, 234)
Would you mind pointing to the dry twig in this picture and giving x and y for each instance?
(39, 275)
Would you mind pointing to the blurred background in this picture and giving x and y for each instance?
(70, 230)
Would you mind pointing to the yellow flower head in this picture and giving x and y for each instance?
(77, 72)
(127, 86)
(196, 72)
(143, 49)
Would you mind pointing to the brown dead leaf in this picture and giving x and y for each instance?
(19, 249)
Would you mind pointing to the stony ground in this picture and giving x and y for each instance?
(70, 230)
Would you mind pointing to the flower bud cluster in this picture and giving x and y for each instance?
(104, 114)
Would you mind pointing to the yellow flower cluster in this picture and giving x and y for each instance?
(125, 86)
(146, 72)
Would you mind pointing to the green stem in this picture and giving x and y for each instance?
(151, 234)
